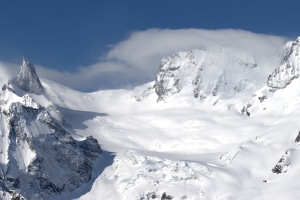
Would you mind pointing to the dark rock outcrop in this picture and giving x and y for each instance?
(283, 163)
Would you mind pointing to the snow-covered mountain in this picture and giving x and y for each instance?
(205, 72)
(222, 73)
(276, 90)
(185, 135)
(39, 156)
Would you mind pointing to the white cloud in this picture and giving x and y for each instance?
(102, 75)
(136, 59)
(7, 70)
(142, 47)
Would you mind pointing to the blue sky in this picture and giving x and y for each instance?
(68, 36)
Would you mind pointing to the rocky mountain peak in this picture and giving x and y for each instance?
(289, 68)
(27, 78)
(281, 77)
(203, 73)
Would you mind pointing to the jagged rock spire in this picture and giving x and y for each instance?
(27, 78)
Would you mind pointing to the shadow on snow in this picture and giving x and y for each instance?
(104, 160)
(76, 118)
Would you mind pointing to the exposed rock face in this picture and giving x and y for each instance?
(289, 68)
(280, 78)
(283, 163)
(173, 72)
(205, 73)
(27, 78)
(38, 156)
(297, 140)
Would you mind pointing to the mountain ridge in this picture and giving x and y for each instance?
(220, 72)
(282, 77)
(40, 158)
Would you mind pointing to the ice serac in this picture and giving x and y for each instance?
(27, 78)
(218, 72)
(39, 158)
(279, 79)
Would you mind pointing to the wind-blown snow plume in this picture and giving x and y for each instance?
(7, 71)
(136, 59)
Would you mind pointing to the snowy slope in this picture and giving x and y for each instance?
(189, 150)
(188, 147)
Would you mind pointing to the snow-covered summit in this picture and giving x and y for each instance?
(284, 80)
(27, 78)
(289, 68)
(220, 72)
